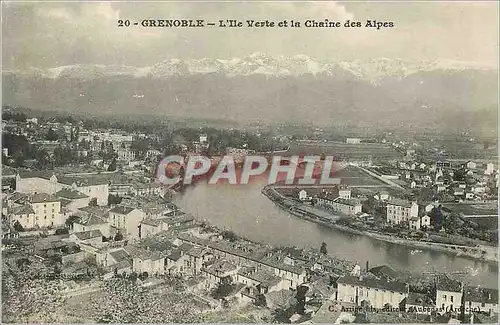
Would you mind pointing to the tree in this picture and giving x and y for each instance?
(72, 219)
(112, 166)
(229, 235)
(17, 226)
(62, 231)
(323, 249)
(93, 202)
(114, 199)
(51, 135)
(118, 236)
(224, 288)
(260, 300)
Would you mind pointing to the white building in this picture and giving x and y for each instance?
(353, 140)
(448, 293)
(47, 182)
(483, 299)
(401, 211)
(375, 293)
(39, 210)
(126, 219)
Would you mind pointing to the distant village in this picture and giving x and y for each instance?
(82, 207)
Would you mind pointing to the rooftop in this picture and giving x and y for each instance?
(71, 194)
(483, 295)
(43, 197)
(400, 202)
(444, 283)
(373, 283)
(121, 209)
(85, 235)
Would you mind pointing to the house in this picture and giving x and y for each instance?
(399, 211)
(415, 223)
(47, 210)
(150, 227)
(152, 263)
(469, 195)
(353, 140)
(425, 221)
(470, 165)
(346, 206)
(382, 196)
(128, 219)
(146, 189)
(92, 186)
(90, 237)
(37, 182)
(458, 191)
(482, 299)
(24, 214)
(376, 293)
(302, 195)
(490, 169)
(419, 303)
(48, 182)
(92, 222)
(384, 272)
(448, 293)
(215, 272)
(76, 199)
(261, 280)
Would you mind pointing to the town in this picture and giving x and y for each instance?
(90, 235)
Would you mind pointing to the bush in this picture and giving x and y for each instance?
(62, 231)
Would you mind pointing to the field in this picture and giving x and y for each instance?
(344, 151)
(480, 209)
(354, 176)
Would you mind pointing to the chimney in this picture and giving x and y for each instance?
(367, 266)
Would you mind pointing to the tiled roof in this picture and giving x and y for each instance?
(71, 194)
(83, 181)
(43, 197)
(418, 299)
(151, 222)
(85, 235)
(383, 271)
(444, 283)
(399, 202)
(120, 255)
(175, 255)
(37, 174)
(373, 283)
(23, 209)
(121, 209)
(261, 276)
(90, 220)
(185, 247)
(483, 295)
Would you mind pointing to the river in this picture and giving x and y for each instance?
(244, 210)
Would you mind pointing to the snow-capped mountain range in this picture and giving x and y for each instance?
(372, 70)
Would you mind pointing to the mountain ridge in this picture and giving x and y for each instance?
(372, 70)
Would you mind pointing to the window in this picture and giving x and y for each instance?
(444, 297)
(483, 304)
(451, 298)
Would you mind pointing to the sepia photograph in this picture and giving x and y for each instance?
(250, 162)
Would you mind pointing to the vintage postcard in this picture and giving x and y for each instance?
(250, 162)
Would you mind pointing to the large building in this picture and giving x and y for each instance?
(372, 292)
(448, 294)
(47, 182)
(401, 211)
(39, 210)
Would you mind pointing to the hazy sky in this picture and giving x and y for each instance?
(54, 34)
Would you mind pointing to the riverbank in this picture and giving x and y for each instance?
(482, 253)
